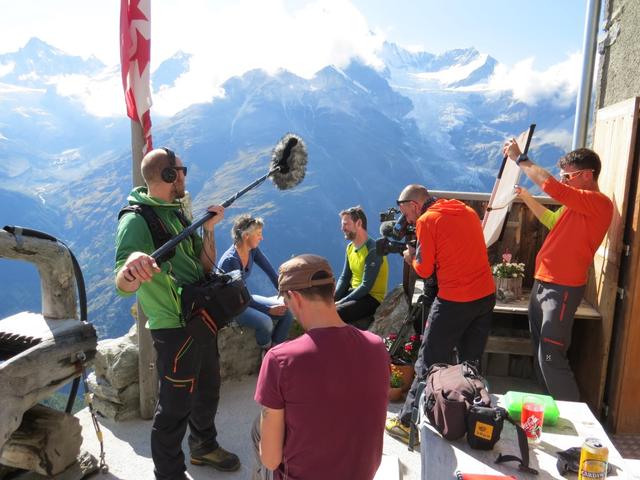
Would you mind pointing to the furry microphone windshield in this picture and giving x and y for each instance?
(288, 162)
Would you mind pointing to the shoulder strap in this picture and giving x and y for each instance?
(182, 217)
(522, 444)
(157, 228)
(185, 223)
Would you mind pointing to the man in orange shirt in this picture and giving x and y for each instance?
(576, 231)
(451, 243)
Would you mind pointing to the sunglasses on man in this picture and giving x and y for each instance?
(566, 176)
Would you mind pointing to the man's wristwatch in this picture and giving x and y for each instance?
(523, 157)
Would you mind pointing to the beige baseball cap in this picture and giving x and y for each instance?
(298, 273)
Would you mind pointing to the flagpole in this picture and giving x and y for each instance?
(135, 54)
(137, 146)
(147, 372)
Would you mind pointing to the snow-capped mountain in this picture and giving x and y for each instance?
(423, 118)
(35, 63)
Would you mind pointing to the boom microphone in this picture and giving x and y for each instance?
(288, 165)
(288, 162)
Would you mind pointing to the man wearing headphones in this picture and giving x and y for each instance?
(450, 242)
(189, 372)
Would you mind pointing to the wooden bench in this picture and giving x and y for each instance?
(510, 345)
(515, 345)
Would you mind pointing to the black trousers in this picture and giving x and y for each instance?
(464, 325)
(189, 380)
(353, 310)
(552, 308)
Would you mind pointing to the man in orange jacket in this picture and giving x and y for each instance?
(451, 243)
(576, 231)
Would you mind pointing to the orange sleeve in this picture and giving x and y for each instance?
(425, 259)
(586, 202)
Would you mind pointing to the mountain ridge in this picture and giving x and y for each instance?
(369, 132)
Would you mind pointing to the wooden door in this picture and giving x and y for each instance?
(623, 382)
(614, 140)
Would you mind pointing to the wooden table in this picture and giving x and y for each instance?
(442, 458)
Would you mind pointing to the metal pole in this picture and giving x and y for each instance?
(147, 375)
(583, 100)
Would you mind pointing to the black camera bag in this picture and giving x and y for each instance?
(484, 425)
(211, 303)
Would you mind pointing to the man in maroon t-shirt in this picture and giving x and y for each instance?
(324, 394)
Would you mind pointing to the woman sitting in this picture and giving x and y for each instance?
(262, 311)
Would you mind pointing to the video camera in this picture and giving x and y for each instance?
(396, 233)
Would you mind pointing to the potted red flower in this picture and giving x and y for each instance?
(406, 357)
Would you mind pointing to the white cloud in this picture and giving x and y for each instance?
(101, 95)
(227, 38)
(8, 88)
(559, 82)
(269, 36)
(28, 112)
(561, 138)
(6, 68)
(231, 40)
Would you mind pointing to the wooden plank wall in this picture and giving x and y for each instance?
(614, 135)
(623, 382)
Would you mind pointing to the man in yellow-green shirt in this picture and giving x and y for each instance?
(363, 282)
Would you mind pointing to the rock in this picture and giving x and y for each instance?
(117, 361)
(391, 314)
(115, 411)
(101, 387)
(132, 335)
(47, 442)
(85, 465)
(239, 353)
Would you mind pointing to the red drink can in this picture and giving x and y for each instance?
(532, 417)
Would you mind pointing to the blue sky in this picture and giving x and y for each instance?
(509, 30)
(539, 41)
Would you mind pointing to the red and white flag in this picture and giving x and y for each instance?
(135, 54)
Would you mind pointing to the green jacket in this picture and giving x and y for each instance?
(159, 298)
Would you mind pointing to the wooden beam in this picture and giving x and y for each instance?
(510, 345)
(54, 265)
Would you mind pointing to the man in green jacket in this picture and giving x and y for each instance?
(189, 372)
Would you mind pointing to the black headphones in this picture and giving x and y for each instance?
(169, 174)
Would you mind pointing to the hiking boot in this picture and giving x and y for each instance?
(397, 430)
(219, 459)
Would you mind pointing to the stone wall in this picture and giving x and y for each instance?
(114, 382)
(618, 77)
